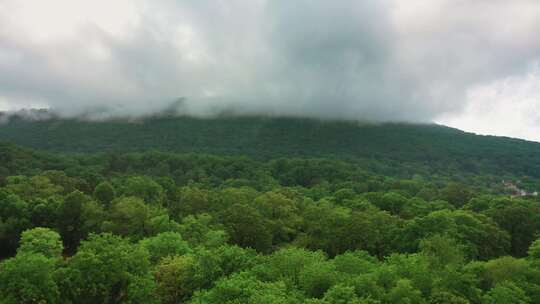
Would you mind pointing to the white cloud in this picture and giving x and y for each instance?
(507, 107)
(61, 19)
(372, 60)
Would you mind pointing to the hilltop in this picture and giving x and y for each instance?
(393, 148)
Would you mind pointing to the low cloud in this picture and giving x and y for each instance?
(371, 60)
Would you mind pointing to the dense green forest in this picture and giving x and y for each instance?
(261, 211)
(405, 149)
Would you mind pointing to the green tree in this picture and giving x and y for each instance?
(506, 292)
(165, 244)
(283, 214)
(456, 194)
(233, 258)
(190, 200)
(521, 222)
(442, 250)
(145, 188)
(326, 227)
(404, 293)
(288, 265)
(103, 271)
(534, 253)
(341, 294)
(71, 219)
(104, 193)
(128, 216)
(201, 230)
(443, 297)
(480, 236)
(60, 178)
(392, 202)
(34, 187)
(44, 212)
(208, 268)
(355, 263)
(14, 218)
(244, 288)
(41, 240)
(174, 277)
(371, 230)
(366, 286)
(415, 268)
(317, 278)
(505, 269)
(27, 279)
(247, 227)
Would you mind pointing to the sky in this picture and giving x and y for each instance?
(469, 64)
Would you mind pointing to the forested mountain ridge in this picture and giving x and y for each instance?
(427, 148)
(257, 136)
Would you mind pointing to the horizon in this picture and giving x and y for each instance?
(32, 114)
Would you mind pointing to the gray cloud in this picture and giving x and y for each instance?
(368, 60)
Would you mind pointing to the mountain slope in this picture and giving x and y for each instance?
(432, 147)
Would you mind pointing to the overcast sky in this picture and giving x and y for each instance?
(470, 64)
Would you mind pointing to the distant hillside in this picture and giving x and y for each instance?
(409, 146)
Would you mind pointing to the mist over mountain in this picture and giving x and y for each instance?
(390, 60)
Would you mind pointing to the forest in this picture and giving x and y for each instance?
(190, 227)
(395, 148)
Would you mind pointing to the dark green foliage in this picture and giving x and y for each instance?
(104, 193)
(521, 221)
(247, 227)
(424, 149)
(78, 215)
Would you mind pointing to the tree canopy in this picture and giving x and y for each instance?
(160, 227)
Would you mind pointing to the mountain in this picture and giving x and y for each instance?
(409, 148)
(392, 211)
